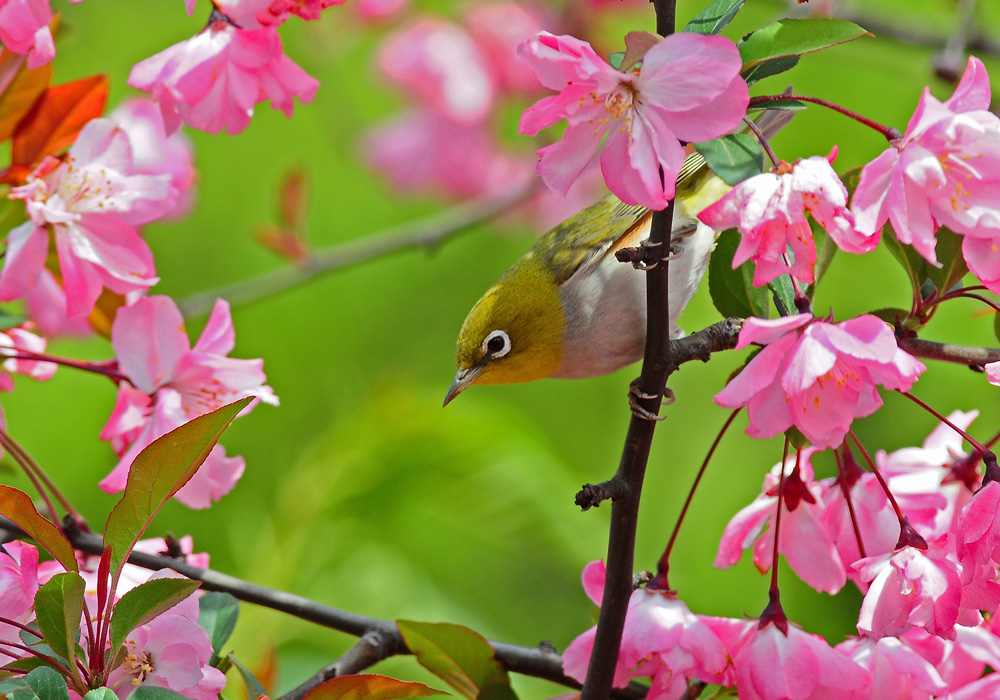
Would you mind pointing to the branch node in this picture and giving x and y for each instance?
(592, 495)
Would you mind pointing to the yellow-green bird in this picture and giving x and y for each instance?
(567, 308)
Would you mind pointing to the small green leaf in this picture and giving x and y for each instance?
(913, 263)
(949, 254)
(714, 18)
(160, 470)
(43, 684)
(732, 290)
(784, 295)
(615, 59)
(217, 616)
(766, 69)
(100, 694)
(17, 506)
(146, 601)
(152, 692)
(796, 438)
(788, 105)
(59, 611)
(794, 37)
(890, 314)
(734, 157)
(254, 689)
(370, 686)
(457, 655)
(826, 251)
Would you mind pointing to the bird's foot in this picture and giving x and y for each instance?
(635, 393)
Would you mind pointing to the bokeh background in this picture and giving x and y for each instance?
(360, 491)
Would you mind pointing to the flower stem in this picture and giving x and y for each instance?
(30, 467)
(774, 613)
(891, 134)
(841, 457)
(114, 374)
(763, 140)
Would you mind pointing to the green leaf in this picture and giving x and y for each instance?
(254, 689)
(28, 663)
(996, 325)
(457, 655)
(100, 694)
(370, 686)
(913, 263)
(766, 69)
(714, 18)
(732, 290)
(734, 157)
(59, 611)
(949, 254)
(615, 59)
(160, 470)
(789, 105)
(784, 295)
(42, 684)
(217, 616)
(891, 315)
(146, 601)
(826, 251)
(17, 506)
(9, 685)
(794, 37)
(152, 692)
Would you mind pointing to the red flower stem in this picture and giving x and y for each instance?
(907, 535)
(659, 582)
(773, 612)
(27, 463)
(18, 625)
(992, 472)
(85, 366)
(763, 140)
(890, 133)
(846, 490)
(26, 467)
(50, 660)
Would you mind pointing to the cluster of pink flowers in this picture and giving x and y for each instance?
(170, 651)
(927, 624)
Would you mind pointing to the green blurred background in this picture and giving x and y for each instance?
(360, 491)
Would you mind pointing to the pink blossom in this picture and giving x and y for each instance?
(803, 539)
(497, 28)
(213, 80)
(18, 586)
(46, 304)
(156, 153)
(422, 151)
(982, 255)
(817, 376)
(945, 171)
(377, 12)
(797, 665)
(439, 63)
(993, 372)
(876, 523)
(910, 588)
(978, 537)
(25, 29)
(661, 639)
(21, 339)
(171, 383)
(897, 671)
(689, 88)
(257, 14)
(171, 651)
(92, 203)
(769, 210)
(959, 661)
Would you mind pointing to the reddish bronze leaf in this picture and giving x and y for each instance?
(57, 117)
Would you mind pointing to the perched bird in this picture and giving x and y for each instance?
(567, 308)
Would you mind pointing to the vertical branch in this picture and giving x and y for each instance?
(656, 365)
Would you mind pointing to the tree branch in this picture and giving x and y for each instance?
(383, 636)
(425, 233)
(974, 357)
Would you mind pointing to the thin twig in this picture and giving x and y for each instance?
(425, 233)
(974, 357)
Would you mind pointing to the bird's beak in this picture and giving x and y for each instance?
(463, 380)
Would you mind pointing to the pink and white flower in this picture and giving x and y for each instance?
(170, 383)
(91, 202)
(497, 28)
(688, 88)
(25, 29)
(769, 210)
(817, 376)
(213, 80)
(897, 671)
(945, 171)
(993, 372)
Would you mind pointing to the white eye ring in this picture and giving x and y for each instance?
(496, 344)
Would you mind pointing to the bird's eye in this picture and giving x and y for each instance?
(497, 344)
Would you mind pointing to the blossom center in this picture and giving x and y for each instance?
(137, 664)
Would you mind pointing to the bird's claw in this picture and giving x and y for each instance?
(635, 393)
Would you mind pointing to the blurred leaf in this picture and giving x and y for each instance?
(57, 117)
(913, 263)
(59, 611)
(100, 694)
(370, 687)
(996, 325)
(826, 251)
(714, 18)
(43, 684)
(794, 37)
(636, 46)
(217, 616)
(152, 692)
(21, 89)
(732, 290)
(891, 315)
(160, 470)
(615, 59)
(254, 689)
(734, 157)
(8, 685)
(16, 506)
(766, 69)
(459, 656)
(784, 295)
(144, 602)
(949, 254)
(789, 105)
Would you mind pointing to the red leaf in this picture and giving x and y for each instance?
(369, 687)
(20, 88)
(17, 506)
(57, 117)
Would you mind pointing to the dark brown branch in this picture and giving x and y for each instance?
(425, 233)
(539, 662)
(973, 357)
(371, 648)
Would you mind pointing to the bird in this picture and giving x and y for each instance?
(568, 308)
